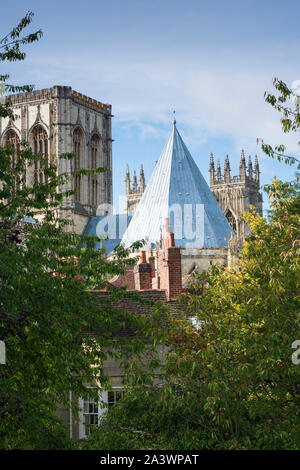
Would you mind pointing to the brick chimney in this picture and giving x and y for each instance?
(169, 268)
(143, 274)
(151, 261)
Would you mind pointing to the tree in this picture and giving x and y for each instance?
(10, 51)
(231, 384)
(290, 119)
(53, 325)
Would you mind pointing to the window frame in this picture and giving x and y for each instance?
(103, 406)
(12, 138)
(40, 140)
(78, 149)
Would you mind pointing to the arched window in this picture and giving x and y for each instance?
(11, 138)
(95, 163)
(95, 150)
(77, 150)
(231, 220)
(40, 147)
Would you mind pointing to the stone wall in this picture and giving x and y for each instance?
(202, 259)
(59, 111)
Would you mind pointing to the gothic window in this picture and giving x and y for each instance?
(94, 191)
(95, 150)
(77, 149)
(11, 138)
(95, 163)
(40, 147)
(231, 220)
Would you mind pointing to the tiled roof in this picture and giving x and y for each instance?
(134, 306)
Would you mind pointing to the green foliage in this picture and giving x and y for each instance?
(232, 384)
(10, 50)
(47, 431)
(142, 420)
(57, 331)
(47, 308)
(290, 120)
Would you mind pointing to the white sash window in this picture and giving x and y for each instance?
(92, 411)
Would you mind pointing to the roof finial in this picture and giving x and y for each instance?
(174, 120)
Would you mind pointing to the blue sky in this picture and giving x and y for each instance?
(211, 61)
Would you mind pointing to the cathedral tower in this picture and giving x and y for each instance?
(235, 194)
(60, 120)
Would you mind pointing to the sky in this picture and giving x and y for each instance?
(209, 61)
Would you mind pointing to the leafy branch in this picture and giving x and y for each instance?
(10, 46)
(290, 120)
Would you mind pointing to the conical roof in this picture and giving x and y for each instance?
(178, 191)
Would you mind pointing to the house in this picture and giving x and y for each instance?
(156, 278)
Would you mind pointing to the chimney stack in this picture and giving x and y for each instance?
(143, 274)
(169, 273)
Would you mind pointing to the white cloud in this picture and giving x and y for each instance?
(214, 94)
(296, 87)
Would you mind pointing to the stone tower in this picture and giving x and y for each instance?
(134, 193)
(60, 120)
(235, 194)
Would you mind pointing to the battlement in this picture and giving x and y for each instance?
(234, 179)
(62, 92)
(90, 102)
(18, 98)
